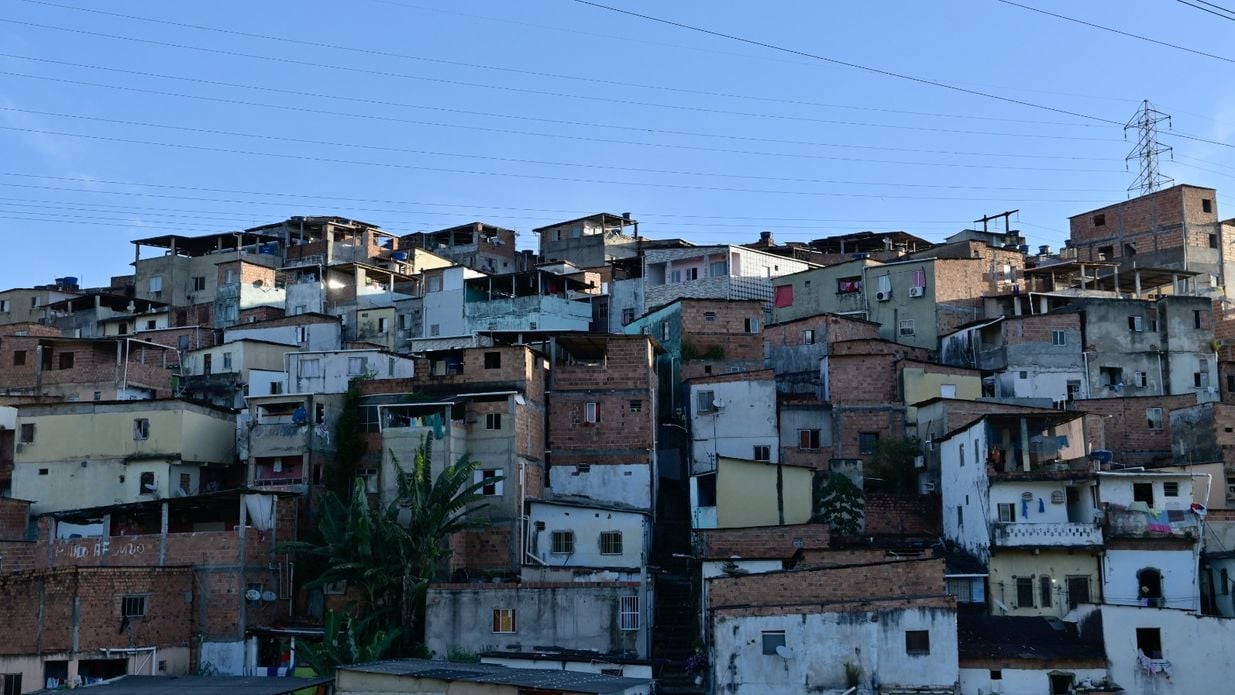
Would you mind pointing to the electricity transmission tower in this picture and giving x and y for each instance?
(1147, 149)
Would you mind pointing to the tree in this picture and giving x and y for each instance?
(346, 640)
(839, 503)
(350, 444)
(891, 468)
(389, 554)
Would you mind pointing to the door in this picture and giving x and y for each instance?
(1143, 492)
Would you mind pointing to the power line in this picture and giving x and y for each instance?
(507, 131)
(539, 162)
(1112, 30)
(535, 73)
(1206, 9)
(856, 66)
(610, 100)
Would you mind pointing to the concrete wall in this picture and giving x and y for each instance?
(608, 484)
(581, 615)
(761, 494)
(443, 307)
(528, 313)
(334, 372)
(1195, 647)
(978, 681)
(966, 487)
(872, 640)
(587, 525)
(1179, 576)
(746, 419)
(817, 291)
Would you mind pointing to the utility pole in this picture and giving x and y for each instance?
(1147, 149)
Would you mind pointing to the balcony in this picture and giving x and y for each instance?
(1134, 522)
(1057, 534)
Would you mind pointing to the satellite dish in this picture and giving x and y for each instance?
(253, 595)
(718, 403)
(270, 596)
(519, 399)
(784, 652)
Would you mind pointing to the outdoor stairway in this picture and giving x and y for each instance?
(675, 632)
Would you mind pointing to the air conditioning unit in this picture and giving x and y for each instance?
(927, 488)
(917, 291)
(883, 296)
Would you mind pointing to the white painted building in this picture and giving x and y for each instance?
(567, 536)
(712, 272)
(330, 371)
(443, 301)
(1168, 651)
(610, 483)
(315, 332)
(903, 647)
(733, 416)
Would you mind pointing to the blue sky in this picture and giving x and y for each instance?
(418, 115)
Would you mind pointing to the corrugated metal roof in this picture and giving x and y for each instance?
(565, 681)
(203, 685)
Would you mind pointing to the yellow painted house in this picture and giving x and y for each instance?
(87, 454)
(742, 493)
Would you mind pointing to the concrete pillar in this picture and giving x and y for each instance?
(1137, 276)
(1024, 444)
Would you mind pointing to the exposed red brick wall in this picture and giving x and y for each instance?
(94, 362)
(621, 436)
(887, 514)
(95, 595)
(1125, 428)
(829, 328)
(14, 519)
(1036, 328)
(897, 579)
(771, 542)
(726, 332)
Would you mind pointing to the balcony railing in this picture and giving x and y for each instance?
(1131, 522)
(1063, 534)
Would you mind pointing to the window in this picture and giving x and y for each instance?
(1153, 418)
(1078, 590)
(1024, 592)
(762, 452)
(199, 283)
(1201, 379)
(919, 279)
(917, 642)
(717, 269)
(960, 516)
(383, 325)
(628, 316)
(1149, 641)
(850, 285)
(967, 589)
(808, 439)
(146, 485)
(10, 684)
(504, 621)
(752, 325)
(5, 307)
(435, 283)
(1045, 585)
(1143, 492)
(705, 490)
(1112, 376)
(227, 360)
(493, 421)
(27, 433)
(492, 482)
(1213, 241)
(692, 273)
(156, 284)
(664, 330)
(435, 330)
(628, 612)
(19, 358)
(1207, 205)
(996, 675)
(1099, 220)
(1136, 323)
(947, 390)
(906, 327)
(675, 276)
(961, 453)
(1007, 512)
(151, 325)
(1170, 489)
(98, 395)
(636, 406)
(1061, 683)
(141, 428)
(591, 412)
(563, 542)
(133, 606)
(310, 368)
(808, 337)
(611, 543)
(1059, 337)
(705, 401)
(1140, 379)
(1200, 319)
(1105, 253)
(867, 441)
(356, 365)
(771, 640)
(66, 360)
(493, 360)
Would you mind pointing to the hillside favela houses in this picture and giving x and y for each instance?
(327, 456)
